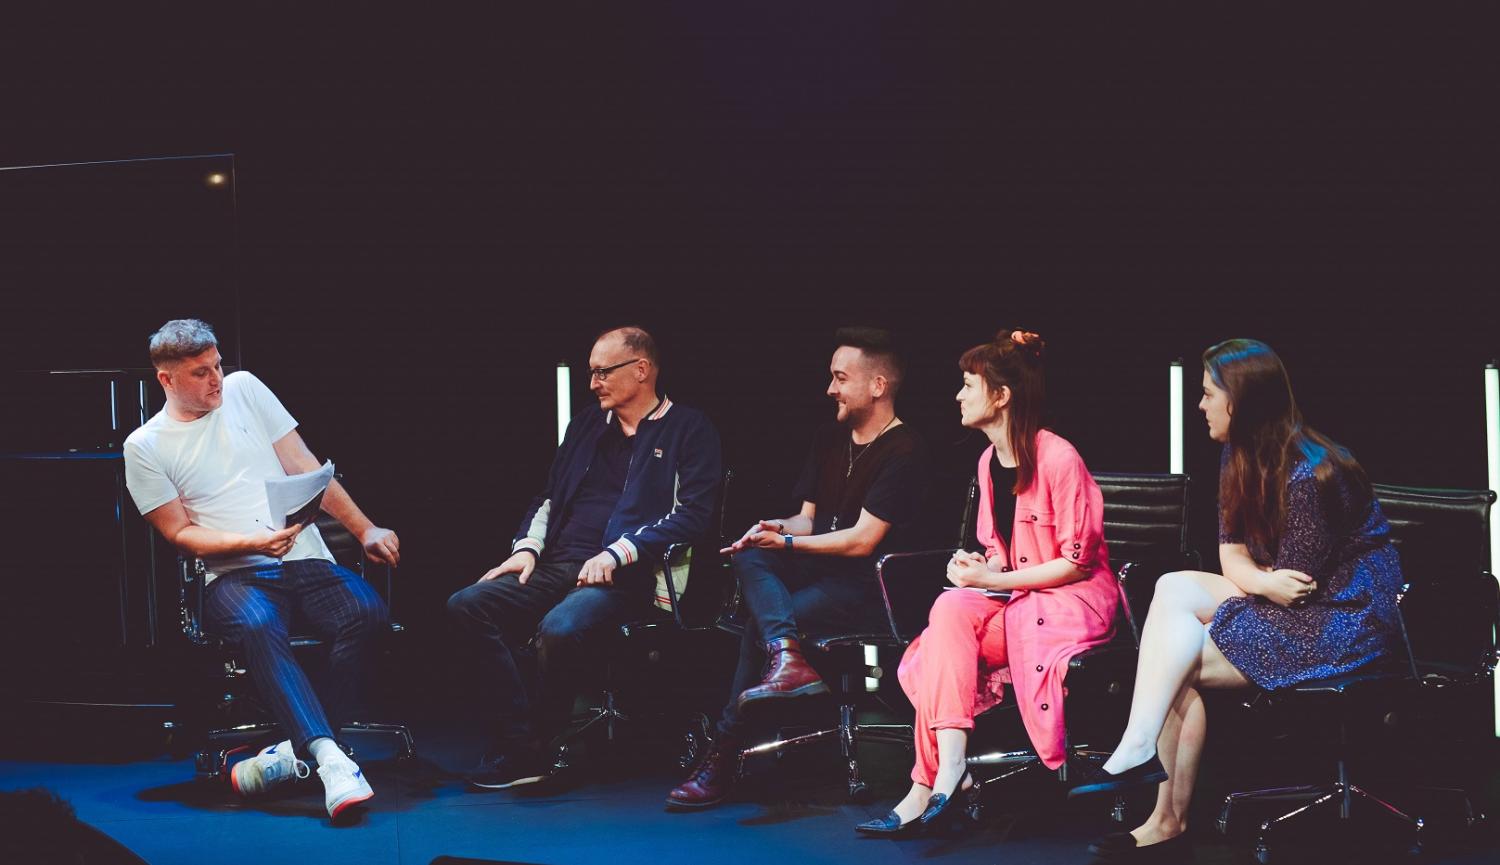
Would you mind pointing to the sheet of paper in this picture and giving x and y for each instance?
(296, 498)
(988, 593)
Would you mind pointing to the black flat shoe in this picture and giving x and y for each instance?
(1120, 847)
(1149, 772)
(947, 812)
(890, 826)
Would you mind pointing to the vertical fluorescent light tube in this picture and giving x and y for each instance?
(1492, 448)
(872, 657)
(1174, 390)
(564, 398)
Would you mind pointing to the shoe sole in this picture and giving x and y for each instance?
(804, 691)
(508, 784)
(345, 805)
(675, 805)
(1114, 787)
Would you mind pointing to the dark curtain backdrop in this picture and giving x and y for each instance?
(432, 212)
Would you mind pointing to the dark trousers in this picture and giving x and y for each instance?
(258, 610)
(791, 595)
(492, 620)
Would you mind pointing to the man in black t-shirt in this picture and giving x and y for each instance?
(814, 572)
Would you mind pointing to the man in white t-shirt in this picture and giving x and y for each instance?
(197, 471)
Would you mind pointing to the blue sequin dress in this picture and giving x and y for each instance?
(1341, 539)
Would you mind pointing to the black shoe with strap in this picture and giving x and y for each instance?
(890, 826)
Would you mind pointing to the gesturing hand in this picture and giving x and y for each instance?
(756, 537)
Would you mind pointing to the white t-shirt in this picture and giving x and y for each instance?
(218, 464)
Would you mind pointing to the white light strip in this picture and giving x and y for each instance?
(872, 657)
(1175, 461)
(1492, 449)
(564, 398)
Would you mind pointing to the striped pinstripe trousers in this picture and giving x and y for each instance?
(258, 609)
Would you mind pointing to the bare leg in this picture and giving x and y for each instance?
(953, 747)
(1172, 647)
(1181, 747)
(911, 807)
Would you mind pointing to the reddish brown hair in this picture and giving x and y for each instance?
(1003, 362)
(1267, 439)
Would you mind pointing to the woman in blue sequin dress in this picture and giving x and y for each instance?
(1308, 590)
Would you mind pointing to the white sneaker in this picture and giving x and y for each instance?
(273, 766)
(344, 785)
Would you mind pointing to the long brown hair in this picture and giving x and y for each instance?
(1006, 362)
(1267, 439)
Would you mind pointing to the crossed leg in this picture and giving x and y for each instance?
(1177, 660)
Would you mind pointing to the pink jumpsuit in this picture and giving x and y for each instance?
(973, 645)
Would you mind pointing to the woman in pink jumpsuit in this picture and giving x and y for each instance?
(1046, 549)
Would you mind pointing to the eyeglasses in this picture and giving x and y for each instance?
(602, 373)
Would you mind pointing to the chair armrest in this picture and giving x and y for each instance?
(844, 641)
(908, 588)
(675, 553)
(191, 576)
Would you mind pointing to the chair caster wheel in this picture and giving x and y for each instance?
(860, 793)
(1262, 853)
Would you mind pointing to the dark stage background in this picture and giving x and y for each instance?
(427, 215)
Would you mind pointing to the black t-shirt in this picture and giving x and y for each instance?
(887, 477)
(587, 515)
(1003, 501)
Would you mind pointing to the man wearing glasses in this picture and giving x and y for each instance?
(629, 479)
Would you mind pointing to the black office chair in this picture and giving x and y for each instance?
(222, 742)
(1448, 613)
(909, 584)
(645, 649)
(1145, 526)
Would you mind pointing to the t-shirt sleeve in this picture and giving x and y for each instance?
(806, 488)
(897, 492)
(149, 486)
(273, 416)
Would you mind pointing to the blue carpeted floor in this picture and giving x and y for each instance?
(788, 814)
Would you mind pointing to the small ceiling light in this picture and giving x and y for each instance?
(217, 178)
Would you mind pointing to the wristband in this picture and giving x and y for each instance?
(534, 553)
(788, 541)
(616, 556)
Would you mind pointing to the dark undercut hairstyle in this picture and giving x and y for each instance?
(180, 338)
(637, 340)
(879, 348)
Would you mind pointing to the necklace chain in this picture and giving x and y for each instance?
(849, 470)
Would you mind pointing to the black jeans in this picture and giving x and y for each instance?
(790, 594)
(495, 618)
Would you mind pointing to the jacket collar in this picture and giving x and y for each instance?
(663, 405)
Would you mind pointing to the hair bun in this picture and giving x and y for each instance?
(1027, 340)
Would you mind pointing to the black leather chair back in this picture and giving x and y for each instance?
(346, 548)
(1453, 605)
(1145, 524)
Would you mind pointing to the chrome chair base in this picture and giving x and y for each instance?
(850, 733)
(211, 762)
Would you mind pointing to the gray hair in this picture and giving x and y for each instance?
(636, 340)
(180, 338)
